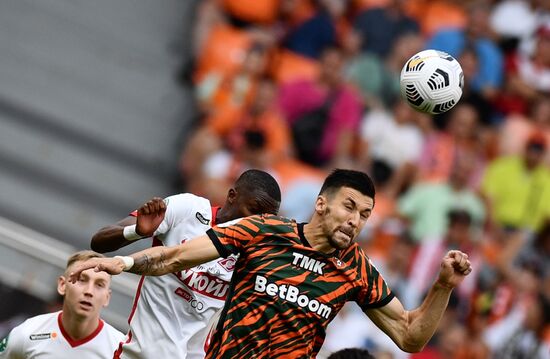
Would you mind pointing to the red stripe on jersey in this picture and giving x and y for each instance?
(156, 243)
(74, 343)
(118, 352)
(214, 214)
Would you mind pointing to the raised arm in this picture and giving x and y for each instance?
(411, 330)
(131, 228)
(154, 261)
(111, 237)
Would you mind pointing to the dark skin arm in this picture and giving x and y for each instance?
(111, 238)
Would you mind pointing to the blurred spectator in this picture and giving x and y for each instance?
(520, 334)
(313, 35)
(427, 204)
(460, 140)
(391, 145)
(425, 266)
(513, 19)
(517, 187)
(517, 128)
(255, 136)
(436, 15)
(449, 344)
(476, 34)
(469, 62)
(262, 116)
(396, 264)
(537, 253)
(528, 75)
(376, 78)
(218, 92)
(328, 94)
(380, 27)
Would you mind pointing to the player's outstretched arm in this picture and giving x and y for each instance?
(130, 229)
(154, 261)
(411, 330)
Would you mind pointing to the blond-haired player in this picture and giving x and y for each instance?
(77, 331)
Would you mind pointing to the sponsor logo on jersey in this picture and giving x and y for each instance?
(194, 303)
(312, 265)
(228, 263)
(204, 283)
(4, 344)
(43, 336)
(201, 219)
(291, 294)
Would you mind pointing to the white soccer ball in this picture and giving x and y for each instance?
(432, 81)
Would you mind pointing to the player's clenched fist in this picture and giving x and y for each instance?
(150, 216)
(454, 267)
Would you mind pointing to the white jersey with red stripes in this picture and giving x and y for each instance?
(44, 337)
(171, 313)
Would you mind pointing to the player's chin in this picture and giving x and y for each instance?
(340, 241)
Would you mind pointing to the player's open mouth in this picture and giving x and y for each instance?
(85, 304)
(347, 234)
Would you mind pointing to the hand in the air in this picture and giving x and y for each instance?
(455, 266)
(150, 216)
(110, 265)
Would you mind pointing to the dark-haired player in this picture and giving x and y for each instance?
(291, 279)
(171, 314)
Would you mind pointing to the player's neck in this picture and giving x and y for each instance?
(316, 238)
(76, 326)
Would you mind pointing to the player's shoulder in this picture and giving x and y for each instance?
(187, 200)
(39, 321)
(271, 220)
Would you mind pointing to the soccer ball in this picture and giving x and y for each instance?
(432, 81)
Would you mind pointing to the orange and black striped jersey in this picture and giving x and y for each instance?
(284, 293)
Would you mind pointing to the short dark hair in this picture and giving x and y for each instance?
(256, 182)
(356, 180)
(352, 353)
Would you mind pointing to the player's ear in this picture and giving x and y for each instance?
(320, 204)
(231, 195)
(61, 285)
(107, 299)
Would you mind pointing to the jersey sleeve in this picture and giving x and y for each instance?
(233, 237)
(11, 347)
(375, 292)
(177, 207)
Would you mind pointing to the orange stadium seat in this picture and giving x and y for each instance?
(288, 66)
(255, 11)
(369, 4)
(224, 51)
(435, 15)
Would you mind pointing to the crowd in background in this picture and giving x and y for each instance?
(476, 178)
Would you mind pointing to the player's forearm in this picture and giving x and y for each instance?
(157, 261)
(108, 239)
(424, 320)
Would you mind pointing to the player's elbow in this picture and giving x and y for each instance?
(95, 244)
(412, 344)
(412, 347)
